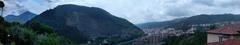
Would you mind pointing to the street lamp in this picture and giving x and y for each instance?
(1, 6)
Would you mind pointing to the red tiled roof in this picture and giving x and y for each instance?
(227, 42)
(229, 29)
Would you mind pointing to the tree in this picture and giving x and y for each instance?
(198, 38)
(39, 28)
(52, 39)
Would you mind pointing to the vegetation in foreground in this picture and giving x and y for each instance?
(198, 38)
(29, 34)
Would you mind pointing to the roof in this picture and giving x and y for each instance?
(227, 42)
(229, 29)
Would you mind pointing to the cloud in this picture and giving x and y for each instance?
(140, 11)
(204, 2)
(12, 7)
(16, 7)
(228, 3)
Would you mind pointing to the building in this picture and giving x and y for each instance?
(226, 35)
(226, 42)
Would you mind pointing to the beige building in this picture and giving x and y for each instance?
(223, 35)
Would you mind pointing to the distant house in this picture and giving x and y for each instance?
(227, 35)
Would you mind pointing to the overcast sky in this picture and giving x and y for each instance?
(136, 11)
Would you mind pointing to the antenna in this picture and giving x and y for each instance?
(1, 6)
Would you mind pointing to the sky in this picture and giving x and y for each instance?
(136, 11)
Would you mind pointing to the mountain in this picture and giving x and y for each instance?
(205, 19)
(162, 24)
(186, 23)
(22, 18)
(88, 24)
